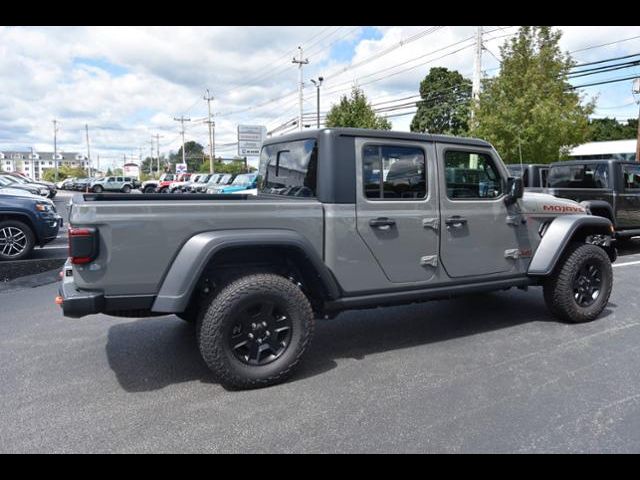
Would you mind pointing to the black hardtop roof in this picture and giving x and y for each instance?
(592, 161)
(362, 132)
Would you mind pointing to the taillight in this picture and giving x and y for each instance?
(83, 245)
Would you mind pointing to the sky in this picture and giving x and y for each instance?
(129, 83)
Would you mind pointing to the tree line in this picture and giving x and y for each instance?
(528, 111)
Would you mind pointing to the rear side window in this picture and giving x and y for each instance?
(394, 172)
(289, 169)
(579, 176)
(472, 176)
(631, 177)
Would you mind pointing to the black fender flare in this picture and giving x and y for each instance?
(599, 205)
(187, 267)
(558, 236)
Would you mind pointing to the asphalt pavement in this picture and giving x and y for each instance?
(489, 373)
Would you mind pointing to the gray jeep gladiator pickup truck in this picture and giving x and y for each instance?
(385, 218)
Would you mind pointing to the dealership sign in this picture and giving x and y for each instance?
(181, 168)
(250, 138)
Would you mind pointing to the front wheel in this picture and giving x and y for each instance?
(255, 331)
(126, 189)
(581, 284)
(149, 189)
(97, 189)
(16, 240)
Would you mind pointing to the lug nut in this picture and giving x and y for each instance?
(254, 326)
(259, 341)
(267, 333)
(250, 336)
(264, 324)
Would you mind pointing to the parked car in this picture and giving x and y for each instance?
(180, 180)
(183, 185)
(534, 175)
(66, 183)
(81, 184)
(53, 189)
(609, 188)
(9, 181)
(254, 273)
(240, 184)
(197, 182)
(166, 179)
(218, 180)
(112, 184)
(26, 221)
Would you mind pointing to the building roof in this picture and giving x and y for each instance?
(603, 148)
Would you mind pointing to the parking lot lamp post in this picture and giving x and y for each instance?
(318, 84)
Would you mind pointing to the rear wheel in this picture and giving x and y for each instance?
(16, 240)
(149, 189)
(581, 285)
(98, 189)
(126, 189)
(255, 331)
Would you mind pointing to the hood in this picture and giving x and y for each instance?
(545, 204)
(16, 192)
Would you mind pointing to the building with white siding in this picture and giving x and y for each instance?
(34, 164)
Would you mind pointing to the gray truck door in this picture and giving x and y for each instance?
(476, 236)
(397, 207)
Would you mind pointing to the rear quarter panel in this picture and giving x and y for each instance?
(140, 239)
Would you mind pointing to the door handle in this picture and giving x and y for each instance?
(455, 222)
(382, 223)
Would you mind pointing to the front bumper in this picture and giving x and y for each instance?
(77, 303)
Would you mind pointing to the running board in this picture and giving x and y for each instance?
(423, 295)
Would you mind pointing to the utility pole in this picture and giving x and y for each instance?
(318, 84)
(212, 126)
(636, 91)
(300, 62)
(98, 163)
(86, 127)
(182, 119)
(55, 146)
(477, 73)
(158, 137)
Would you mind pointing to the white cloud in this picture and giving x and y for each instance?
(128, 83)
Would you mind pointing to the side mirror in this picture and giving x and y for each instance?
(515, 187)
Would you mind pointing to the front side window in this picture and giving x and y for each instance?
(631, 177)
(394, 172)
(289, 169)
(579, 176)
(472, 176)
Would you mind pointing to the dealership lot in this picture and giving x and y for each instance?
(491, 373)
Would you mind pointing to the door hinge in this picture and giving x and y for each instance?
(433, 223)
(513, 253)
(429, 261)
(516, 220)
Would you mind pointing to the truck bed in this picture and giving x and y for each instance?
(140, 235)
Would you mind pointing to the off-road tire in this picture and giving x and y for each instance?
(213, 328)
(559, 287)
(126, 189)
(150, 190)
(98, 189)
(29, 237)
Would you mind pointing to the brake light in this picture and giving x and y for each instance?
(83, 245)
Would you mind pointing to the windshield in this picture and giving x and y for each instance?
(245, 179)
(4, 181)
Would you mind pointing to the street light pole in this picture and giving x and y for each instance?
(318, 84)
(636, 91)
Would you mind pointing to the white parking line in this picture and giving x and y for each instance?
(626, 264)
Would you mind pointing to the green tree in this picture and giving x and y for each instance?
(529, 109)
(194, 155)
(355, 111)
(602, 129)
(64, 171)
(445, 104)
